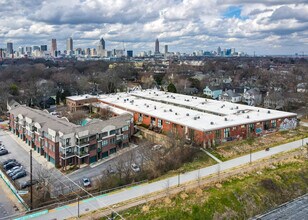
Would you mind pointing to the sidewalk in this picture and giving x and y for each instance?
(40, 159)
(211, 155)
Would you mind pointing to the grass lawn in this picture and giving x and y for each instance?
(234, 149)
(238, 198)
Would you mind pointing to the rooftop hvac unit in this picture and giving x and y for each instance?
(173, 97)
(167, 96)
(170, 110)
(212, 123)
(195, 118)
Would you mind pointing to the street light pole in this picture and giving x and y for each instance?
(179, 179)
(31, 192)
(250, 156)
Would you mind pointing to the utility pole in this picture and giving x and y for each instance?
(179, 179)
(78, 205)
(31, 185)
(250, 156)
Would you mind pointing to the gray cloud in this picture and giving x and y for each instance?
(182, 24)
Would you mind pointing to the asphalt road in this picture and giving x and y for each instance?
(296, 209)
(162, 185)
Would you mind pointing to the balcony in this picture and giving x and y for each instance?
(67, 155)
(82, 154)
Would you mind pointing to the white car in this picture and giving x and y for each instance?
(86, 182)
(135, 168)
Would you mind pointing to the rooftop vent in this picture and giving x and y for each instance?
(195, 118)
(176, 113)
(212, 123)
(226, 119)
(155, 107)
(236, 107)
(231, 108)
(165, 110)
(118, 98)
(247, 116)
(268, 111)
(173, 97)
(199, 117)
(170, 110)
(167, 96)
(258, 110)
(187, 114)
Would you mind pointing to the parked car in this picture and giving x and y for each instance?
(8, 161)
(111, 171)
(14, 172)
(135, 168)
(11, 165)
(19, 175)
(27, 184)
(86, 182)
(3, 152)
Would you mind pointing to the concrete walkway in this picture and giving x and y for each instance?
(110, 199)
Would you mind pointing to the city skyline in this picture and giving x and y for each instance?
(266, 28)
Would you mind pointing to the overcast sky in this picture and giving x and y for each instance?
(270, 27)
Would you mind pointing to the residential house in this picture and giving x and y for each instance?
(274, 100)
(252, 97)
(230, 96)
(212, 91)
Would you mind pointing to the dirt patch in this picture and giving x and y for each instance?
(145, 208)
(183, 196)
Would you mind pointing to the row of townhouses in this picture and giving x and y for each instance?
(63, 143)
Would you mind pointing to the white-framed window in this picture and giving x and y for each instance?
(227, 132)
(105, 142)
(125, 128)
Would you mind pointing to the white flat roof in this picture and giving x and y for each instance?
(236, 114)
(115, 110)
(81, 97)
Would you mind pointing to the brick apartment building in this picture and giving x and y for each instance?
(63, 143)
(203, 121)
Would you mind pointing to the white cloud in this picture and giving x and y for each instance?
(186, 25)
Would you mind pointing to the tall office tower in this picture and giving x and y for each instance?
(69, 45)
(53, 49)
(1, 53)
(35, 48)
(166, 49)
(218, 51)
(43, 47)
(233, 51)
(9, 48)
(156, 46)
(129, 53)
(102, 43)
(88, 51)
(21, 50)
(29, 50)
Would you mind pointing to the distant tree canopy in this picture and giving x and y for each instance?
(171, 88)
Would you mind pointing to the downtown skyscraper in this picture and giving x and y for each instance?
(53, 49)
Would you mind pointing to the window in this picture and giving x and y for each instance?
(92, 147)
(105, 142)
(140, 118)
(53, 148)
(112, 132)
(125, 136)
(67, 141)
(273, 123)
(112, 140)
(251, 127)
(226, 132)
(233, 128)
(105, 134)
(159, 123)
(167, 122)
(125, 128)
(218, 134)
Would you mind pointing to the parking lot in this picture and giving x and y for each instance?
(60, 184)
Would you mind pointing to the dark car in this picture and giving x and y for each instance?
(28, 183)
(14, 172)
(3, 152)
(19, 175)
(10, 165)
(8, 161)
